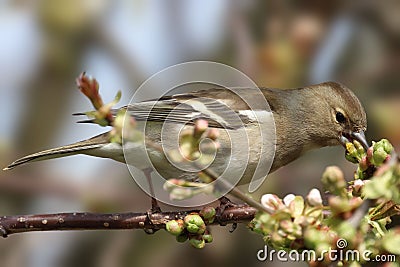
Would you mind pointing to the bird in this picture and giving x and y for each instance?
(298, 120)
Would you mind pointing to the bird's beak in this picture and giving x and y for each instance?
(349, 136)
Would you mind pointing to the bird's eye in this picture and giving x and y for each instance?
(340, 118)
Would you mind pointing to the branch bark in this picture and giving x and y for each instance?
(111, 221)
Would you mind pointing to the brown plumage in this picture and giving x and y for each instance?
(306, 118)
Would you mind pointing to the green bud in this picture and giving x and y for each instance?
(192, 228)
(175, 227)
(208, 213)
(333, 180)
(194, 224)
(379, 156)
(181, 238)
(208, 238)
(381, 150)
(387, 146)
(197, 243)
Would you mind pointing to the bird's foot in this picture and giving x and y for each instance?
(155, 208)
(224, 203)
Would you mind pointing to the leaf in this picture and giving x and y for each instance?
(379, 187)
(391, 242)
(296, 207)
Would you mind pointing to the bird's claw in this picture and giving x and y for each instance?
(224, 203)
(155, 208)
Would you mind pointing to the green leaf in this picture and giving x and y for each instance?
(296, 207)
(379, 187)
(391, 242)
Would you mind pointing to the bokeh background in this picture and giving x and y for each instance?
(45, 44)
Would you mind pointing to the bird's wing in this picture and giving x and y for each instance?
(222, 108)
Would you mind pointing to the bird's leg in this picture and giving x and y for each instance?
(155, 208)
(225, 203)
(154, 203)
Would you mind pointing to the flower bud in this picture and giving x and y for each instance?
(271, 202)
(208, 213)
(314, 198)
(194, 224)
(387, 146)
(213, 134)
(208, 238)
(200, 127)
(181, 238)
(175, 227)
(90, 88)
(358, 185)
(288, 199)
(381, 151)
(333, 180)
(379, 156)
(197, 242)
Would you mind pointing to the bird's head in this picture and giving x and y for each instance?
(345, 118)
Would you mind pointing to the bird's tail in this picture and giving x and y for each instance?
(63, 151)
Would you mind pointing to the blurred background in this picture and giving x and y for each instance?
(45, 44)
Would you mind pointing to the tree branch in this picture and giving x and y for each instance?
(111, 221)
